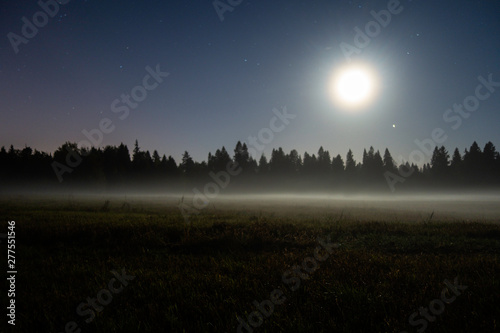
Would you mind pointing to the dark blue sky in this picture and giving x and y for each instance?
(225, 77)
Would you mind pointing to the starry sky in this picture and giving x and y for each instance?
(225, 77)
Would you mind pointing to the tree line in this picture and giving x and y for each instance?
(115, 166)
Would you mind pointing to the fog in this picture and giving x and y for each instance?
(402, 207)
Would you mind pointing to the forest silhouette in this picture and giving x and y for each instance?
(116, 168)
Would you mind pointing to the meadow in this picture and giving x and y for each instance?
(254, 265)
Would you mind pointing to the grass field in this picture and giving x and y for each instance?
(381, 266)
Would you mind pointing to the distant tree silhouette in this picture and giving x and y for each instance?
(388, 161)
(221, 159)
(440, 162)
(472, 163)
(337, 165)
(350, 163)
(456, 165)
(169, 166)
(241, 155)
(113, 166)
(278, 164)
(309, 164)
(123, 161)
(294, 161)
(156, 159)
(142, 164)
(187, 166)
(324, 162)
(490, 162)
(263, 168)
(137, 150)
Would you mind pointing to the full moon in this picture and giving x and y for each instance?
(353, 86)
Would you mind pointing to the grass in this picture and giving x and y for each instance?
(199, 278)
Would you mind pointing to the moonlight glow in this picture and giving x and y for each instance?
(353, 86)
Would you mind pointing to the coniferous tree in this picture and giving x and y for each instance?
(187, 164)
(263, 167)
(241, 156)
(171, 167)
(378, 165)
(137, 150)
(156, 158)
(489, 160)
(278, 164)
(350, 163)
(221, 159)
(324, 162)
(456, 164)
(440, 162)
(309, 164)
(472, 163)
(294, 161)
(389, 164)
(337, 165)
(123, 161)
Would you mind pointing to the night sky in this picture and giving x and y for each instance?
(226, 77)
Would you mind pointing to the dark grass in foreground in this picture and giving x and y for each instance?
(200, 278)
